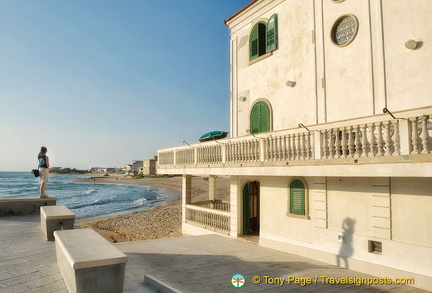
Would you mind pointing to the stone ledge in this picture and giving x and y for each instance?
(24, 206)
(84, 248)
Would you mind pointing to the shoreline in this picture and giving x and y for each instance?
(161, 221)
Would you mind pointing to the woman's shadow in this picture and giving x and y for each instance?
(346, 250)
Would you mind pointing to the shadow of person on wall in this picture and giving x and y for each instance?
(346, 250)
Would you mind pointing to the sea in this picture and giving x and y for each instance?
(86, 199)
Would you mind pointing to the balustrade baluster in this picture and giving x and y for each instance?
(331, 144)
(280, 150)
(358, 141)
(253, 150)
(284, 149)
(299, 146)
(337, 145)
(312, 145)
(296, 146)
(396, 138)
(274, 144)
(233, 149)
(364, 141)
(289, 149)
(415, 136)
(351, 145)
(248, 151)
(425, 135)
(344, 142)
(388, 142)
(380, 140)
(324, 144)
(308, 145)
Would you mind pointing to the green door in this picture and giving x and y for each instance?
(260, 118)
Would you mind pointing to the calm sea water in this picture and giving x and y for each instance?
(86, 200)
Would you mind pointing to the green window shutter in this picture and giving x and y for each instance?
(264, 117)
(260, 118)
(297, 198)
(253, 43)
(255, 121)
(272, 35)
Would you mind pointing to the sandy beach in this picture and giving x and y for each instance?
(163, 221)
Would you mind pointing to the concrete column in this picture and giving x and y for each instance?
(212, 187)
(235, 203)
(317, 145)
(186, 194)
(405, 136)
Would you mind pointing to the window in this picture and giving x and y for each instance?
(260, 118)
(263, 38)
(298, 199)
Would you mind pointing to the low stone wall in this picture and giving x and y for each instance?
(24, 206)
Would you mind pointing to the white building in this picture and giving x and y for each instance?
(317, 166)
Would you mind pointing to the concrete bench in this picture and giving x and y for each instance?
(55, 218)
(89, 263)
(24, 206)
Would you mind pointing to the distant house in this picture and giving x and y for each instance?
(95, 169)
(137, 167)
(149, 166)
(109, 170)
(126, 168)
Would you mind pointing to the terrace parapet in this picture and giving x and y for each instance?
(378, 139)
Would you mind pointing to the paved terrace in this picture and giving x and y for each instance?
(188, 264)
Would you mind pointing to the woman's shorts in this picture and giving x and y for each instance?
(43, 175)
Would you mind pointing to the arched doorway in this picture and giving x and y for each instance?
(251, 208)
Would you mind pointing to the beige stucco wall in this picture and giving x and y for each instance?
(412, 210)
(274, 207)
(408, 72)
(350, 199)
(351, 211)
(332, 83)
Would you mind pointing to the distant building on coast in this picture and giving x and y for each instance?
(331, 125)
(95, 169)
(137, 167)
(149, 166)
(144, 167)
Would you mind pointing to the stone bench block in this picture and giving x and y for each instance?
(89, 263)
(24, 206)
(56, 218)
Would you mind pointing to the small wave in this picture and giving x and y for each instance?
(90, 191)
(139, 202)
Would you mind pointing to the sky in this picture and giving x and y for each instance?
(106, 82)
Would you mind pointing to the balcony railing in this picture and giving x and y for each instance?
(370, 137)
(201, 214)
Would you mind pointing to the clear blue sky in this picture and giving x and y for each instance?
(105, 82)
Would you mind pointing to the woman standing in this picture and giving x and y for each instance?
(43, 170)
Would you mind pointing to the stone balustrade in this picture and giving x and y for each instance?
(409, 133)
(208, 218)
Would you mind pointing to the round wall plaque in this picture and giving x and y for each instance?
(344, 30)
(338, 1)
